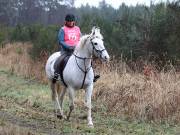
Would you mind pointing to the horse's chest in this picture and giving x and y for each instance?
(78, 79)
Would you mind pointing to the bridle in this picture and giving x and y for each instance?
(99, 52)
(86, 70)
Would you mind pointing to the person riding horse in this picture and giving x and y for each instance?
(68, 37)
(77, 74)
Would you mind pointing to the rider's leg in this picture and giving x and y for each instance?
(57, 67)
(57, 72)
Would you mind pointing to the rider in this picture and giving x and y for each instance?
(68, 37)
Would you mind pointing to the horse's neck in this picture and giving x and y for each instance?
(84, 54)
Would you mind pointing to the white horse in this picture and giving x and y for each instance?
(78, 73)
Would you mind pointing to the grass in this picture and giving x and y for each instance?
(123, 102)
(32, 98)
(22, 90)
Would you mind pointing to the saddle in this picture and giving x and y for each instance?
(59, 66)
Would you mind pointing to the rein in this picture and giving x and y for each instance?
(86, 69)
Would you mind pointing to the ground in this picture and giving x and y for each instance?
(26, 109)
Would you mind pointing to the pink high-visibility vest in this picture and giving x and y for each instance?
(72, 35)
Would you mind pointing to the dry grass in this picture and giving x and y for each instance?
(138, 96)
(135, 95)
(16, 58)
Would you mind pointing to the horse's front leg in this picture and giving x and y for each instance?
(89, 90)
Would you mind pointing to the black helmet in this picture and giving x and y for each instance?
(70, 17)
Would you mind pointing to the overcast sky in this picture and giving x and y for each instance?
(114, 3)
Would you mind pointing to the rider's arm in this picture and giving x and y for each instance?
(61, 39)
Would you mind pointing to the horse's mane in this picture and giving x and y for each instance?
(82, 41)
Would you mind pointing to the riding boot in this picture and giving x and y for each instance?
(96, 77)
(57, 67)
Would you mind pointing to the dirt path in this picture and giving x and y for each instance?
(34, 121)
(27, 105)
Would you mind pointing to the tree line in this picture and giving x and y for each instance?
(14, 12)
(133, 32)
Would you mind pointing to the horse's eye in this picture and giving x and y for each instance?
(95, 43)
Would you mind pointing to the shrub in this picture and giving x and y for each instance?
(46, 41)
(3, 34)
(20, 33)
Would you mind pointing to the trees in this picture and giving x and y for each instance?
(13, 12)
(8, 11)
(133, 31)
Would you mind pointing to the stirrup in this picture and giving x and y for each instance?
(96, 77)
(55, 78)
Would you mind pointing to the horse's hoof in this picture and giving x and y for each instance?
(68, 118)
(64, 117)
(59, 116)
(83, 117)
(90, 125)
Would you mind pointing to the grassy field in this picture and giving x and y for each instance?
(125, 102)
(26, 108)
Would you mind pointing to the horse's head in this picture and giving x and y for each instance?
(98, 49)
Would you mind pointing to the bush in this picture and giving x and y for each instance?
(20, 33)
(46, 41)
(3, 34)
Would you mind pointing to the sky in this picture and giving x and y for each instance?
(114, 3)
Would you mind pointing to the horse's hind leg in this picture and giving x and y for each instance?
(54, 88)
(61, 96)
(71, 98)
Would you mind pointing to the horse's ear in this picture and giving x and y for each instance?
(93, 30)
(98, 29)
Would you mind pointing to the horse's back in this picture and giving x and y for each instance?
(50, 64)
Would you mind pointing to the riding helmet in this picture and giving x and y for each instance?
(70, 18)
